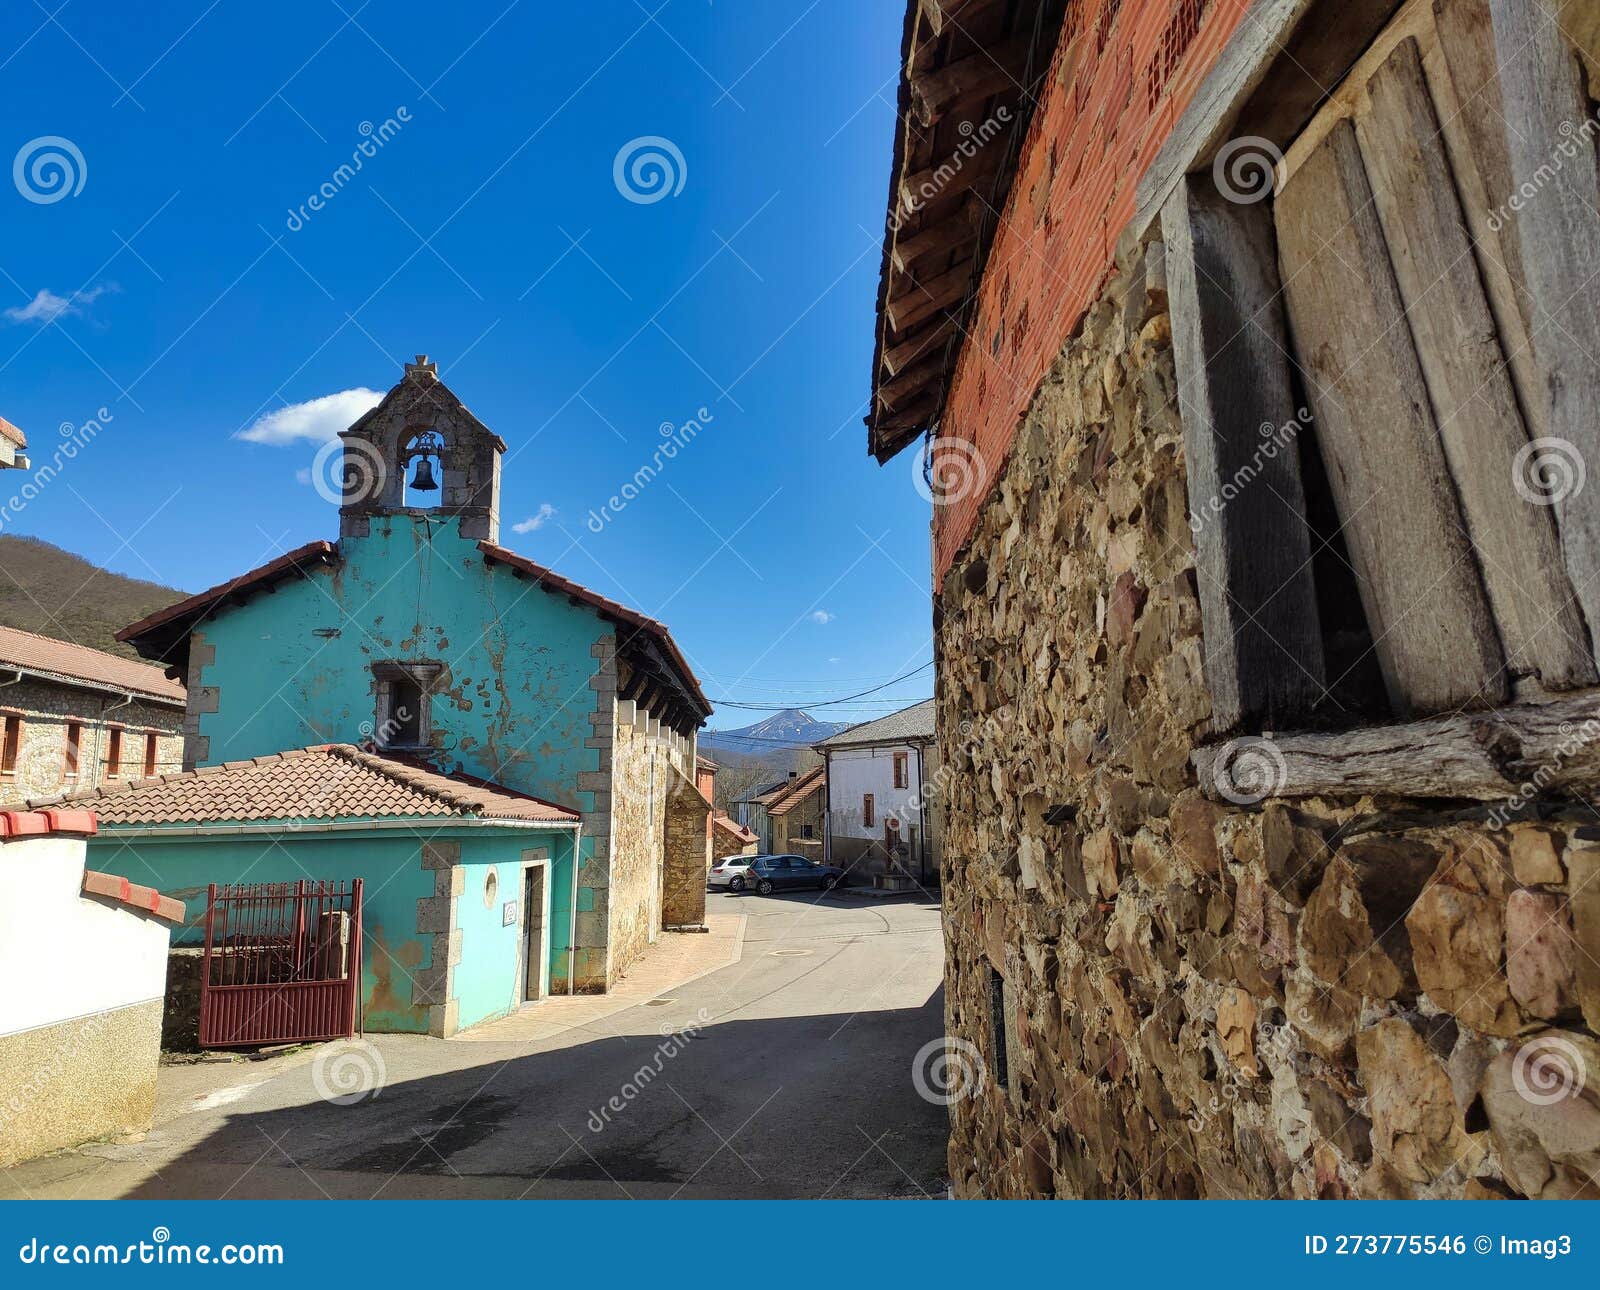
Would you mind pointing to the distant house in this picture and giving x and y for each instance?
(730, 838)
(725, 836)
(752, 811)
(882, 820)
(84, 956)
(75, 717)
(794, 814)
(13, 447)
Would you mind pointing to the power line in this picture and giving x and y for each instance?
(826, 703)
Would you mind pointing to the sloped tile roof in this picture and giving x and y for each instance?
(79, 662)
(796, 791)
(909, 725)
(323, 782)
(733, 828)
(11, 433)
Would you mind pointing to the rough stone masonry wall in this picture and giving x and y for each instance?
(640, 777)
(46, 707)
(1334, 998)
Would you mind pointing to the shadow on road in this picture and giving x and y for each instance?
(799, 1106)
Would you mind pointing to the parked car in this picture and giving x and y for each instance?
(780, 873)
(730, 872)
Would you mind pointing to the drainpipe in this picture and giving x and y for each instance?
(572, 916)
(16, 680)
(922, 815)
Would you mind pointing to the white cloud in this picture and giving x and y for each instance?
(318, 420)
(46, 307)
(536, 521)
(820, 616)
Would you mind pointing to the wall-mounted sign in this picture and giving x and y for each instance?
(508, 913)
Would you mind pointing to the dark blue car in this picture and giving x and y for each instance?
(782, 873)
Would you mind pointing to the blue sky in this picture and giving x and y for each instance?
(188, 288)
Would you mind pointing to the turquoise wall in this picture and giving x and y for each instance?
(295, 667)
(389, 862)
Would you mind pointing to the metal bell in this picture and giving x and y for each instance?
(424, 482)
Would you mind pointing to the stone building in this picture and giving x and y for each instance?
(75, 717)
(1260, 401)
(883, 810)
(795, 814)
(420, 638)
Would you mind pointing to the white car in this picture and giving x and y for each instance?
(730, 872)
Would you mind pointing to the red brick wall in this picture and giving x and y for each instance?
(1123, 73)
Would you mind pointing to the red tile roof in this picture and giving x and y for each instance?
(554, 582)
(33, 653)
(731, 826)
(147, 899)
(159, 634)
(323, 782)
(186, 613)
(9, 431)
(796, 791)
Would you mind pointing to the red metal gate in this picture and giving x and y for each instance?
(282, 963)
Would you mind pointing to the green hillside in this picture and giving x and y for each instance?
(52, 592)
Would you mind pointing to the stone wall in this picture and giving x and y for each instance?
(688, 854)
(640, 776)
(45, 709)
(1370, 997)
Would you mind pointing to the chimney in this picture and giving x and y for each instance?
(793, 775)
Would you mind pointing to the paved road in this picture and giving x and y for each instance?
(798, 1083)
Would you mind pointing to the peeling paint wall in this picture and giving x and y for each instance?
(295, 667)
(638, 841)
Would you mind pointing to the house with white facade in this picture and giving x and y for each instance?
(882, 820)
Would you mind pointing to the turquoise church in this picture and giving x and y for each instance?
(506, 758)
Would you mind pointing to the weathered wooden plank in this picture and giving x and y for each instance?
(1263, 646)
(1469, 387)
(967, 82)
(1267, 82)
(1430, 620)
(1555, 174)
(901, 356)
(1465, 86)
(924, 299)
(1502, 754)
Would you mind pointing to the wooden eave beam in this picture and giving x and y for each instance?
(911, 382)
(942, 237)
(968, 82)
(924, 299)
(928, 341)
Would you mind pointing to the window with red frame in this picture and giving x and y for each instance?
(11, 747)
(113, 752)
(74, 748)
